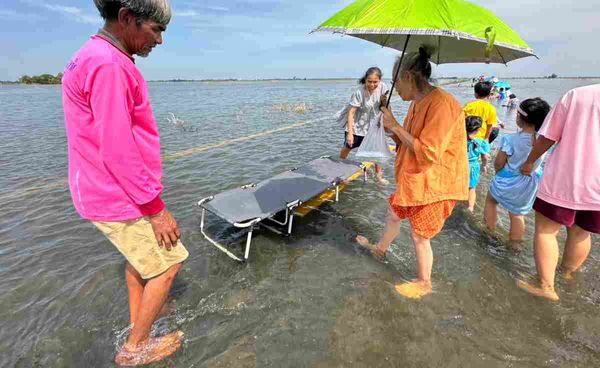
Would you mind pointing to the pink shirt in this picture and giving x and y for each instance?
(113, 143)
(572, 173)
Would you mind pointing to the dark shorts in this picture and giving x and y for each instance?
(587, 220)
(357, 141)
(494, 134)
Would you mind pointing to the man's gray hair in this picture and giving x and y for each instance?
(156, 10)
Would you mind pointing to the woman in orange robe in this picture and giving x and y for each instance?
(432, 169)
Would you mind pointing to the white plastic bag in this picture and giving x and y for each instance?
(374, 145)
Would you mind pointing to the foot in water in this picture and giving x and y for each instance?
(515, 245)
(376, 252)
(415, 289)
(537, 290)
(567, 274)
(154, 350)
(381, 180)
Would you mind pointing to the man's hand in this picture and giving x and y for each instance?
(527, 168)
(165, 229)
(350, 139)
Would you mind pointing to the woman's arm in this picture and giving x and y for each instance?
(400, 134)
(542, 144)
(350, 124)
(488, 132)
(436, 135)
(501, 160)
(396, 140)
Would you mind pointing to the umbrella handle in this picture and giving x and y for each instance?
(396, 72)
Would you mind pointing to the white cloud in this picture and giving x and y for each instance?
(185, 13)
(76, 13)
(7, 13)
(12, 15)
(217, 8)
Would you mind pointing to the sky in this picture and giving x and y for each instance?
(259, 39)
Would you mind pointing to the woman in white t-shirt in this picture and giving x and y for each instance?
(363, 106)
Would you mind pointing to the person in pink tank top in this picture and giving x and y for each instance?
(569, 192)
(115, 171)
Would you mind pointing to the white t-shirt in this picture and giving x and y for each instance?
(368, 107)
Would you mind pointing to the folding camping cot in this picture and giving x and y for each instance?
(275, 201)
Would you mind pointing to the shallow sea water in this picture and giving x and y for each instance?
(311, 300)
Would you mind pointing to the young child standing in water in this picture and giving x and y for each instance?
(509, 188)
(512, 102)
(476, 147)
(483, 108)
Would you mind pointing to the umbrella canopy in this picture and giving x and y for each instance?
(458, 31)
(502, 84)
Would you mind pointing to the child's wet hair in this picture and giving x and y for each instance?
(473, 124)
(372, 70)
(533, 111)
(483, 89)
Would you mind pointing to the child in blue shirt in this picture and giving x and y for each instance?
(476, 147)
(509, 188)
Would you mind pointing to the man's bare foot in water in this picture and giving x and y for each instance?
(375, 251)
(534, 288)
(415, 289)
(154, 350)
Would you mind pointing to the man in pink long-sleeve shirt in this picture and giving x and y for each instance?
(115, 167)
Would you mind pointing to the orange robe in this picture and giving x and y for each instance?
(438, 169)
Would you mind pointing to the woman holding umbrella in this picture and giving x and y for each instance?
(432, 169)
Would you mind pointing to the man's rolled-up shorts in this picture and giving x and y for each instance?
(135, 239)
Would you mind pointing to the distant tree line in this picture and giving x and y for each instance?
(41, 79)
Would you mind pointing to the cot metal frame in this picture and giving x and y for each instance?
(251, 224)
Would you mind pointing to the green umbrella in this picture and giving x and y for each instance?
(459, 31)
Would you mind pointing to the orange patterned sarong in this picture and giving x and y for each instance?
(426, 220)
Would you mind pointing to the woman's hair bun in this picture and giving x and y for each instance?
(425, 52)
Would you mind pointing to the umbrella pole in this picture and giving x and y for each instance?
(396, 72)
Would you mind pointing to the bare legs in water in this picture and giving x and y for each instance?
(517, 222)
(146, 299)
(419, 287)
(546, 254)
(378, 169)
(472, 199)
